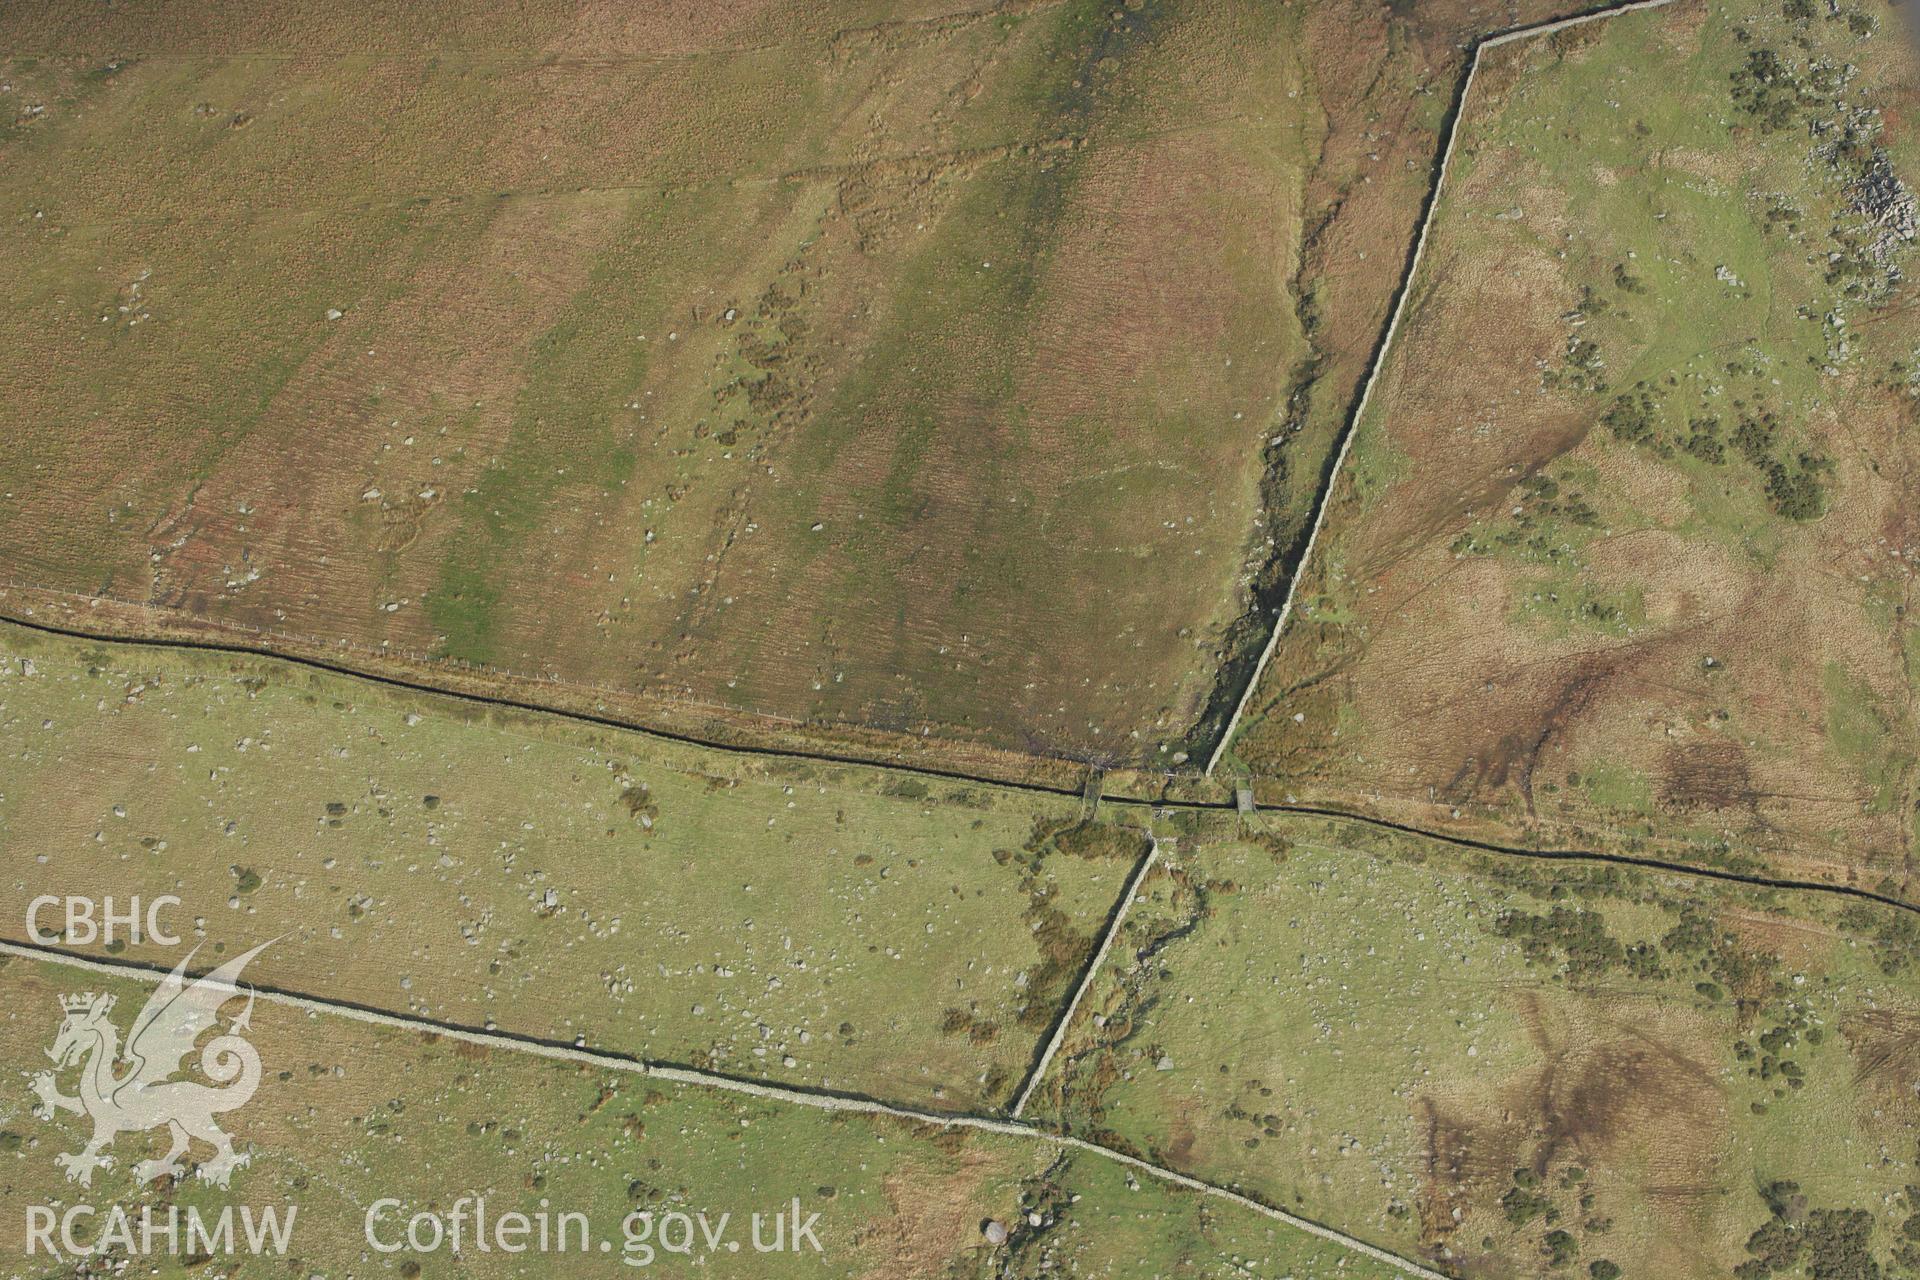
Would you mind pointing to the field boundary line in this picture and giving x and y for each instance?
(1378, 364)
(1065, 1018)
(612, 1060)
(265, 640)
(1640, 862)
(1635, 861)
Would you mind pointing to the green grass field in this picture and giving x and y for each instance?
(945, 383)
(1461, 1058)
(1632, 566)
(350, 1115)
(852, 928)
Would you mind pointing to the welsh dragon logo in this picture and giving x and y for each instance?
(131, 1089)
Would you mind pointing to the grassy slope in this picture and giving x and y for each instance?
(350, 1114)
(1381, 1035)
(1536, 612)
(628, 310)
(849, 928)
